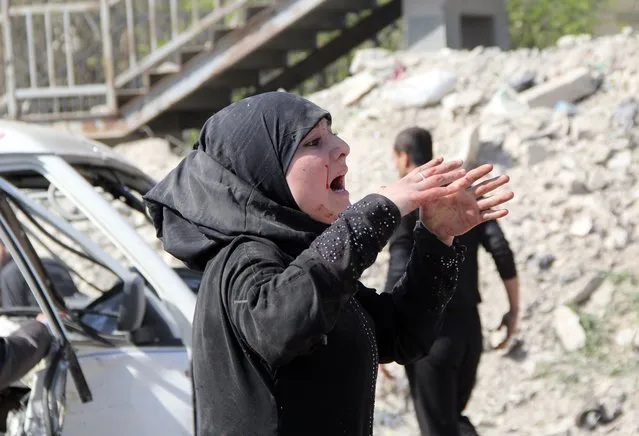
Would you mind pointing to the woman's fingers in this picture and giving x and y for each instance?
(490, 214)
(426, 171)
(489, 185)
(471, 177)
(440, 180)
(432, 163)
(495, 200)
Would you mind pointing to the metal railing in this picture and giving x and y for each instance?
(71, 60)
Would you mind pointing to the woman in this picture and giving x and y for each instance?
(286, 340)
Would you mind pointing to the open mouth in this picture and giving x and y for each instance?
(338, 184)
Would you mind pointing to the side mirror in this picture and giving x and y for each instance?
(132, 304)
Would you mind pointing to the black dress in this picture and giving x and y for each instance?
(286, 340)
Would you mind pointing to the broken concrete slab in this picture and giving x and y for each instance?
(462, 102)
(361, 84)
(568, 329)
(580, 291)
(571, 86)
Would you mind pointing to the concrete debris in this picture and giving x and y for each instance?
(581, 226)
(580, 292)
(570, 86)
(562, 123)
(361, 85)
(627, 336)
(568, 329)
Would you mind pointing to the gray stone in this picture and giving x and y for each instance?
(600, 299)
(462, 102)
(617, 239)
(626, 337)
(621, 161)
(368, 59)
(581, 226)
(569, 87)
(597, 179)
(536, 153)
(580, 291)
(568, 329)
(360, 85)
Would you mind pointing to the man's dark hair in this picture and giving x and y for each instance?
(417, 143)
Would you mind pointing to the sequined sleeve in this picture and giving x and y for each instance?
(407, 319)
(353, 242)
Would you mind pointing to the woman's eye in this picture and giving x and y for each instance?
(312, 143)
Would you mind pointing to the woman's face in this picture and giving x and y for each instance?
(316, 174)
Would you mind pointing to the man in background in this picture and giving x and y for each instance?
(441, 383)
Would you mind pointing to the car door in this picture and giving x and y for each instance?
(43, 410)
(136, 374)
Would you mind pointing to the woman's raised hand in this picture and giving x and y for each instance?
(424, 184)
(458, 211)
(450, 205)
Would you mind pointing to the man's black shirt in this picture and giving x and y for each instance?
(488, 234)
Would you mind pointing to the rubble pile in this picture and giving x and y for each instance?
(563, 123)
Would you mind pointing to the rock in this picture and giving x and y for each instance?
(570, 275)
(545, 262)
(599, 154)
(571, 86)
(626, 337)
(621, 144)
(625, 113)
(470, 145)
(580, 291)
(588, 126)
(536, 152)
(523, 81)
(581, 226)
(568, 329)
(372, 59)
(600, 299)
(598, 179)
(617, 239)
(577, 185)
(506, 103)
(462, 102)
(621, 161)
(361, 85)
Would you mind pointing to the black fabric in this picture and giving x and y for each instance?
(488, 234)
(441, 383)
(286, 340)
(21, 350)
(16, 293)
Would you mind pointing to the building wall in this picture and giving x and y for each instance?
(434, 24)
(616, 15)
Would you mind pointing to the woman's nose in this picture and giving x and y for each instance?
(340, 149)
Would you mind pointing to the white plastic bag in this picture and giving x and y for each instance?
(424, 89)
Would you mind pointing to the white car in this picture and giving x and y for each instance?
(120, 364)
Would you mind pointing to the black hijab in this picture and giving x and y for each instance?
(234, 181)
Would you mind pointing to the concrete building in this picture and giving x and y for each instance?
(458, 24)
(617, 14)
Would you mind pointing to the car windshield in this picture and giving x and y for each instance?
(78, 276)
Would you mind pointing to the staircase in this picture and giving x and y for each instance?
(119, 69)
